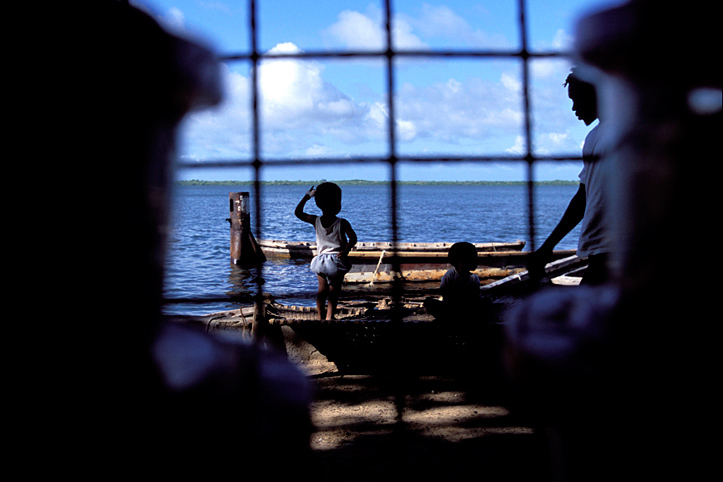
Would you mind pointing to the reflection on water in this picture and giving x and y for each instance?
(285, 279)
(243, 282)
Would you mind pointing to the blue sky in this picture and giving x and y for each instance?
(338, 108)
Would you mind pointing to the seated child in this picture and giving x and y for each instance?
(460, 287)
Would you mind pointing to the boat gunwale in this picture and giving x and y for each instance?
(375, 247)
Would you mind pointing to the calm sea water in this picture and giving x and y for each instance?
(199, 265)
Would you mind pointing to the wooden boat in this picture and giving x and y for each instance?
(377, 263)
(373, 335)
(372, 252)
(491, 266)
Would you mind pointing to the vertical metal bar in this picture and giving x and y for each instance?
(391, 128)
(255, 57)
(398, 462)
(525, 56)
(255, 107)
(256, 141)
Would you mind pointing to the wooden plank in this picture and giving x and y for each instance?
(555, 268)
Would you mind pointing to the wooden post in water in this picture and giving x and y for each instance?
(244, 248)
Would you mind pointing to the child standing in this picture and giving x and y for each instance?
(334, 239)
(460, 287)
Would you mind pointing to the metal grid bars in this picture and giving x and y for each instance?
(393, 158)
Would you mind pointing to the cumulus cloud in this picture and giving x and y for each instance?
(518, 148)
(357, 31)
(441, 22)
(366, 31)
(295, 98)
(224, 131)
(562, 41)
(303, 114)
(457, 112)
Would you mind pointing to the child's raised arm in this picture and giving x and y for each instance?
(299, 212)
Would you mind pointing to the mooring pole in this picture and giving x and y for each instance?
(244, 248)
(240, 219)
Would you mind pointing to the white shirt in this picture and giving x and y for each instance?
(592, 236)
(329, 240)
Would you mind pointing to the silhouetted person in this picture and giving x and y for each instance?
(121, 391)
(335, 238)
(588, 203)
(624, 375)
(459, 287)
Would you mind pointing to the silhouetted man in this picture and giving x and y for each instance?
(588, 203)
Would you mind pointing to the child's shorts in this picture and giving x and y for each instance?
(330, 266)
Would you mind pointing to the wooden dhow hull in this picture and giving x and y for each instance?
(372, 252)
(382, 262)
(491, 266)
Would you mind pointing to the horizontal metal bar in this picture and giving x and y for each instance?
(320, 54)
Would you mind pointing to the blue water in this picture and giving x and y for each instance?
(199, 266)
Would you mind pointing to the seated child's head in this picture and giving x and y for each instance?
(463, 256)
(328, 198)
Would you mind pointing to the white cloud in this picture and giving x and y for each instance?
(441, 22)
(289, 89)
(558, 137)
(406, 130)
(223, 131)
(518, 148)
(365, 31)
(472, 112)
(562, 40)
(550, 142)
(403, 38)
(357, 31)
(511, 83)
(301, 114)
(305, 115)
(296, 99)
(317, 151)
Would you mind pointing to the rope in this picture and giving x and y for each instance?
(376, 270)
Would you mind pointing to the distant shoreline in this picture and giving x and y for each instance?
(370, 183)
